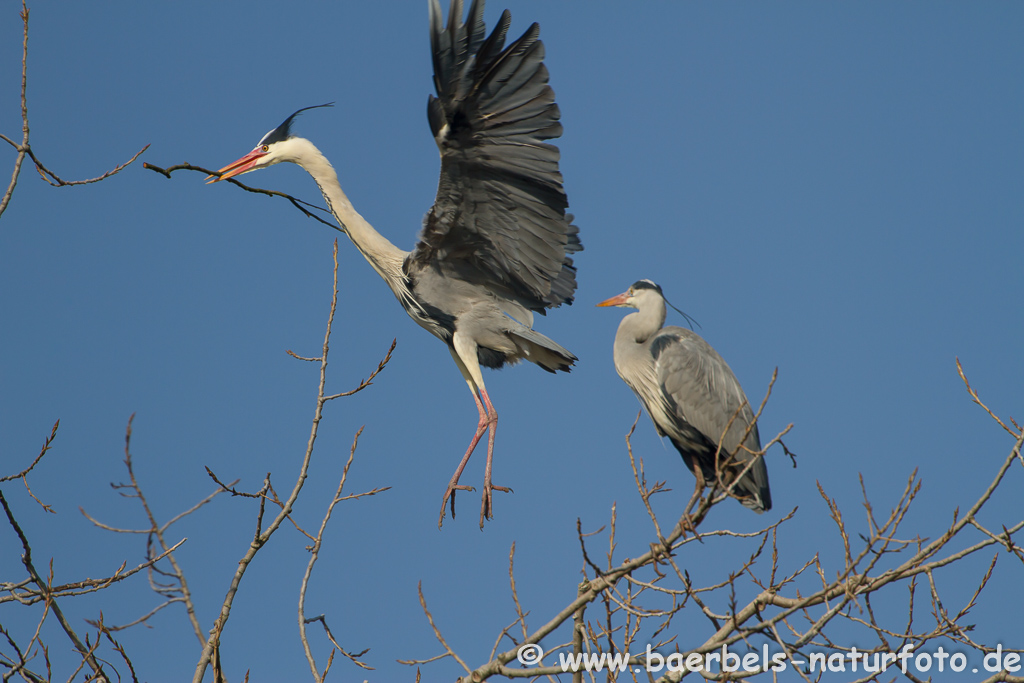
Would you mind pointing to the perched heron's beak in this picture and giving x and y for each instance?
(619, 300)
(239, 167)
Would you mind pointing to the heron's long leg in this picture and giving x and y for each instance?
(481, 426)
(464, 351)
(695, 465)
(485, 505)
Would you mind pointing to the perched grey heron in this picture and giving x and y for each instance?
(495, 247)
(692, 396)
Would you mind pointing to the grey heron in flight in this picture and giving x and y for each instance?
(692, 396)
(495, 247)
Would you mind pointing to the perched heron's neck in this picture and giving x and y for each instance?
(647, 320)
(384, 256)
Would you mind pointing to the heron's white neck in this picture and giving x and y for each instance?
(648, 319)
(384, 256)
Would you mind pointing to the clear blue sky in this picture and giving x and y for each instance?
(835, 189)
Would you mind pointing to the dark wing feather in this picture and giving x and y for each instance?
(499, 219)
(702, 390)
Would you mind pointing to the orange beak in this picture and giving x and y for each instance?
(239, 167)
(619, 300)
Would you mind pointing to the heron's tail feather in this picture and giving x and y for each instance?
(752, 490)
(537, 348)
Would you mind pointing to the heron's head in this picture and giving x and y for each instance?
(635, 296)
(645, 295)
(275, 147)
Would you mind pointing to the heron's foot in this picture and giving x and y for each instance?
(686, 525)
(450, 494)
(486, 509)
(660, 550)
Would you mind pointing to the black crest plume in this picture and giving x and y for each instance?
(283, 132)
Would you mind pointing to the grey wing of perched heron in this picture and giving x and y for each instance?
(496, 246)
(691, 394)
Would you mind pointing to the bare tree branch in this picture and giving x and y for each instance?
(46, 447)
(179, 591)
(56, 181)
(24, 149)
(262, 536)
(45, 588)
(314, 555)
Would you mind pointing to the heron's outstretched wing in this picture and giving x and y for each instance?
(499, 219)
(701, 390)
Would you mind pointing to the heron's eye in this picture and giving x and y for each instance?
(265, 148)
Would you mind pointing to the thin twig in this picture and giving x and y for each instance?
(297, 203)
(54, 180)
(46, 447)
(314, 551)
